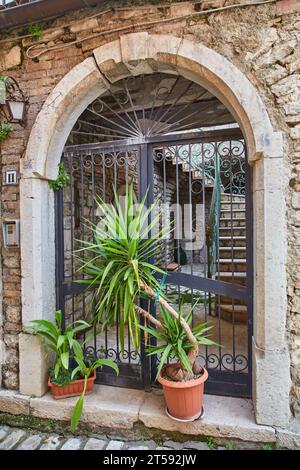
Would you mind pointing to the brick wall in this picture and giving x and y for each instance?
(262, 41)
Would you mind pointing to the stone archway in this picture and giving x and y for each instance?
(134, 54)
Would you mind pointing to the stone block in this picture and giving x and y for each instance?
(294, 66)
(34, 365)
(10, 379)
(31, 442)
(13, 314)
(286, 85)
(138, 448)
(285, 7)
(224, 417)
(273, 74)
(106, 407)
(4, 430)
(95, 444)
(72, 444)
(52, 442)
(212, 4)
(296, 200)
(13, 403)
(115, 445)
(271, 402)
(196, 445)
(295, 132)
(275, 54)
(11, 59)
(12, 440)
(84, 25)
(290, 438)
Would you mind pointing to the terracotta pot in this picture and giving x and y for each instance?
(184, 400)
(73, 389)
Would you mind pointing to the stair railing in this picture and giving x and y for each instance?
(212, 227)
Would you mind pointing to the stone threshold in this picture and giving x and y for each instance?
(121, 409)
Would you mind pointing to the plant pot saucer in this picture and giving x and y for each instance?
(187, 420)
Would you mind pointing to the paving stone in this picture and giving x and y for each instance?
(95, 444)
(31, 443)
(198, 445)
(115, 445)
(222, 448)
(12, 439)
(163, 448)
(174, 445)
(4, 430)
(148, 444)
(52, 443)
(72, 444)
(138, 448)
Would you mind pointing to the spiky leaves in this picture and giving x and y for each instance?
(173, 342)
(117, 260)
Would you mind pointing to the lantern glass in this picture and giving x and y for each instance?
(16, 109)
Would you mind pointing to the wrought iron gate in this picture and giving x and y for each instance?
(202, 183)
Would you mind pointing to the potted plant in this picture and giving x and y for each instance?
(182, 382)
(72, 374)
(117, 267)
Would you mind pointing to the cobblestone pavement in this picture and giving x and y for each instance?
(20, 439)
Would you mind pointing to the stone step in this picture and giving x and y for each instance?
(225, 197)
(232, 205)
(236, 315)
(233, 278)
(230, 252)
(235, 241)
(226, 231)
(232, 214)
(229, 265)
(223, 299)
(237, 222)
(196, 174)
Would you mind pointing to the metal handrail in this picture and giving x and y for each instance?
(212, 228)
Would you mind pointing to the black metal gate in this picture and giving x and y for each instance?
(202, 183)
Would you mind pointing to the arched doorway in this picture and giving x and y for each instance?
(177, 141)
(139, 53)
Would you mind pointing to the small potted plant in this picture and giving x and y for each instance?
(117, 267)
(72, 373)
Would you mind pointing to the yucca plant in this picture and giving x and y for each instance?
(116, 266)
(173, 342)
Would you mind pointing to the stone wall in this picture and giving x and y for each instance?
(258, 40)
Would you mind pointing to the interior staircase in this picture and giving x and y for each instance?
(193, 167)
(231, 263)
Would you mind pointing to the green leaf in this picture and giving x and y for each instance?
(60, 341)
(107, 363)
(57, 368)
(77, 348)
(163, 359)
(77, 411)
(65, 360)
(58, 318)
(75, 371)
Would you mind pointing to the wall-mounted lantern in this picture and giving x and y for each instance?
(11, 233)
(15, 102)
